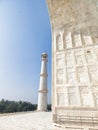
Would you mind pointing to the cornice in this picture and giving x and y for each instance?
(70, 12)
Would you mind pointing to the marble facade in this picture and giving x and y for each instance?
(74, 63)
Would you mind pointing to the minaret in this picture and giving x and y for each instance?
(42, 95)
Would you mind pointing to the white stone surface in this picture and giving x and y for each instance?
(42, 92)
(74, 61)
(26, 121)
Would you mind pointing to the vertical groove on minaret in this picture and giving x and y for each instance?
(42, 92)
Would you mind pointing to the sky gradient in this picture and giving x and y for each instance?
(24, 34)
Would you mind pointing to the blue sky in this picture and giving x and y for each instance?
(24, 34)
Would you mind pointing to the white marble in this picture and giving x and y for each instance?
(74, 26)
(42, 92)
(26, 121)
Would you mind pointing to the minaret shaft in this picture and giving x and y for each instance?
(42, 96)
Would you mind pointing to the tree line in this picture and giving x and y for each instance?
(20, 106)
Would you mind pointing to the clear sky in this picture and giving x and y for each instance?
(24, 34)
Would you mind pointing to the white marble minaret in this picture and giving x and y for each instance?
(42, 95)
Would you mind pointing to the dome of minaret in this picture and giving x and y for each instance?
(44, 55)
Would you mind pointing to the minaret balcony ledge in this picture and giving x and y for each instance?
(45, 75)
(43, 91)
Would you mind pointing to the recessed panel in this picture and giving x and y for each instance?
(72, 96)
(80, 58)
(60, 76)
(62, 99)
(77, 38)
(71, 75)
(94, 34)
(68, 40)
(90, 55)
(86, 37)
(70, 61)
(93, 70)
(82, 74)
(59, 43)
(85, 95)
(60, 60)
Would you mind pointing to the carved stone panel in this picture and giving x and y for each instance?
(77, 38)
(62, 99)
(85, 95)
(95, 94)
(90, 55)
(59, 42)
(71, 76)
(96, 98)
(94, 34)
(78, 111)
(95, 89)
(80, 59)
(72, 96)
(93, 71)
(70, 61)
(68, 40)
(86, 37)
(82, 75)
(96, 50)
(60, 76)
(61, 89)
(60, 60)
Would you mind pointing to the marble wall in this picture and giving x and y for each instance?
(74, 26)
(76, 66)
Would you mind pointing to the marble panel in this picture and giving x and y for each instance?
(90, 55)
(72, 96)
(62, 99)
(96, 98)
(77, 38)
(77, 112)
(85, 95)
(94, 34)
(62, 89)
(60, 60)
(70, 61)
(95, 94)
(95, 89)
(60, 76)
(93, 71)
(68, 40)
(80, 59)
(59, 43)
(96, 51)
(84, 89)
(71, 76)
(87, 37)
(82, 75)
